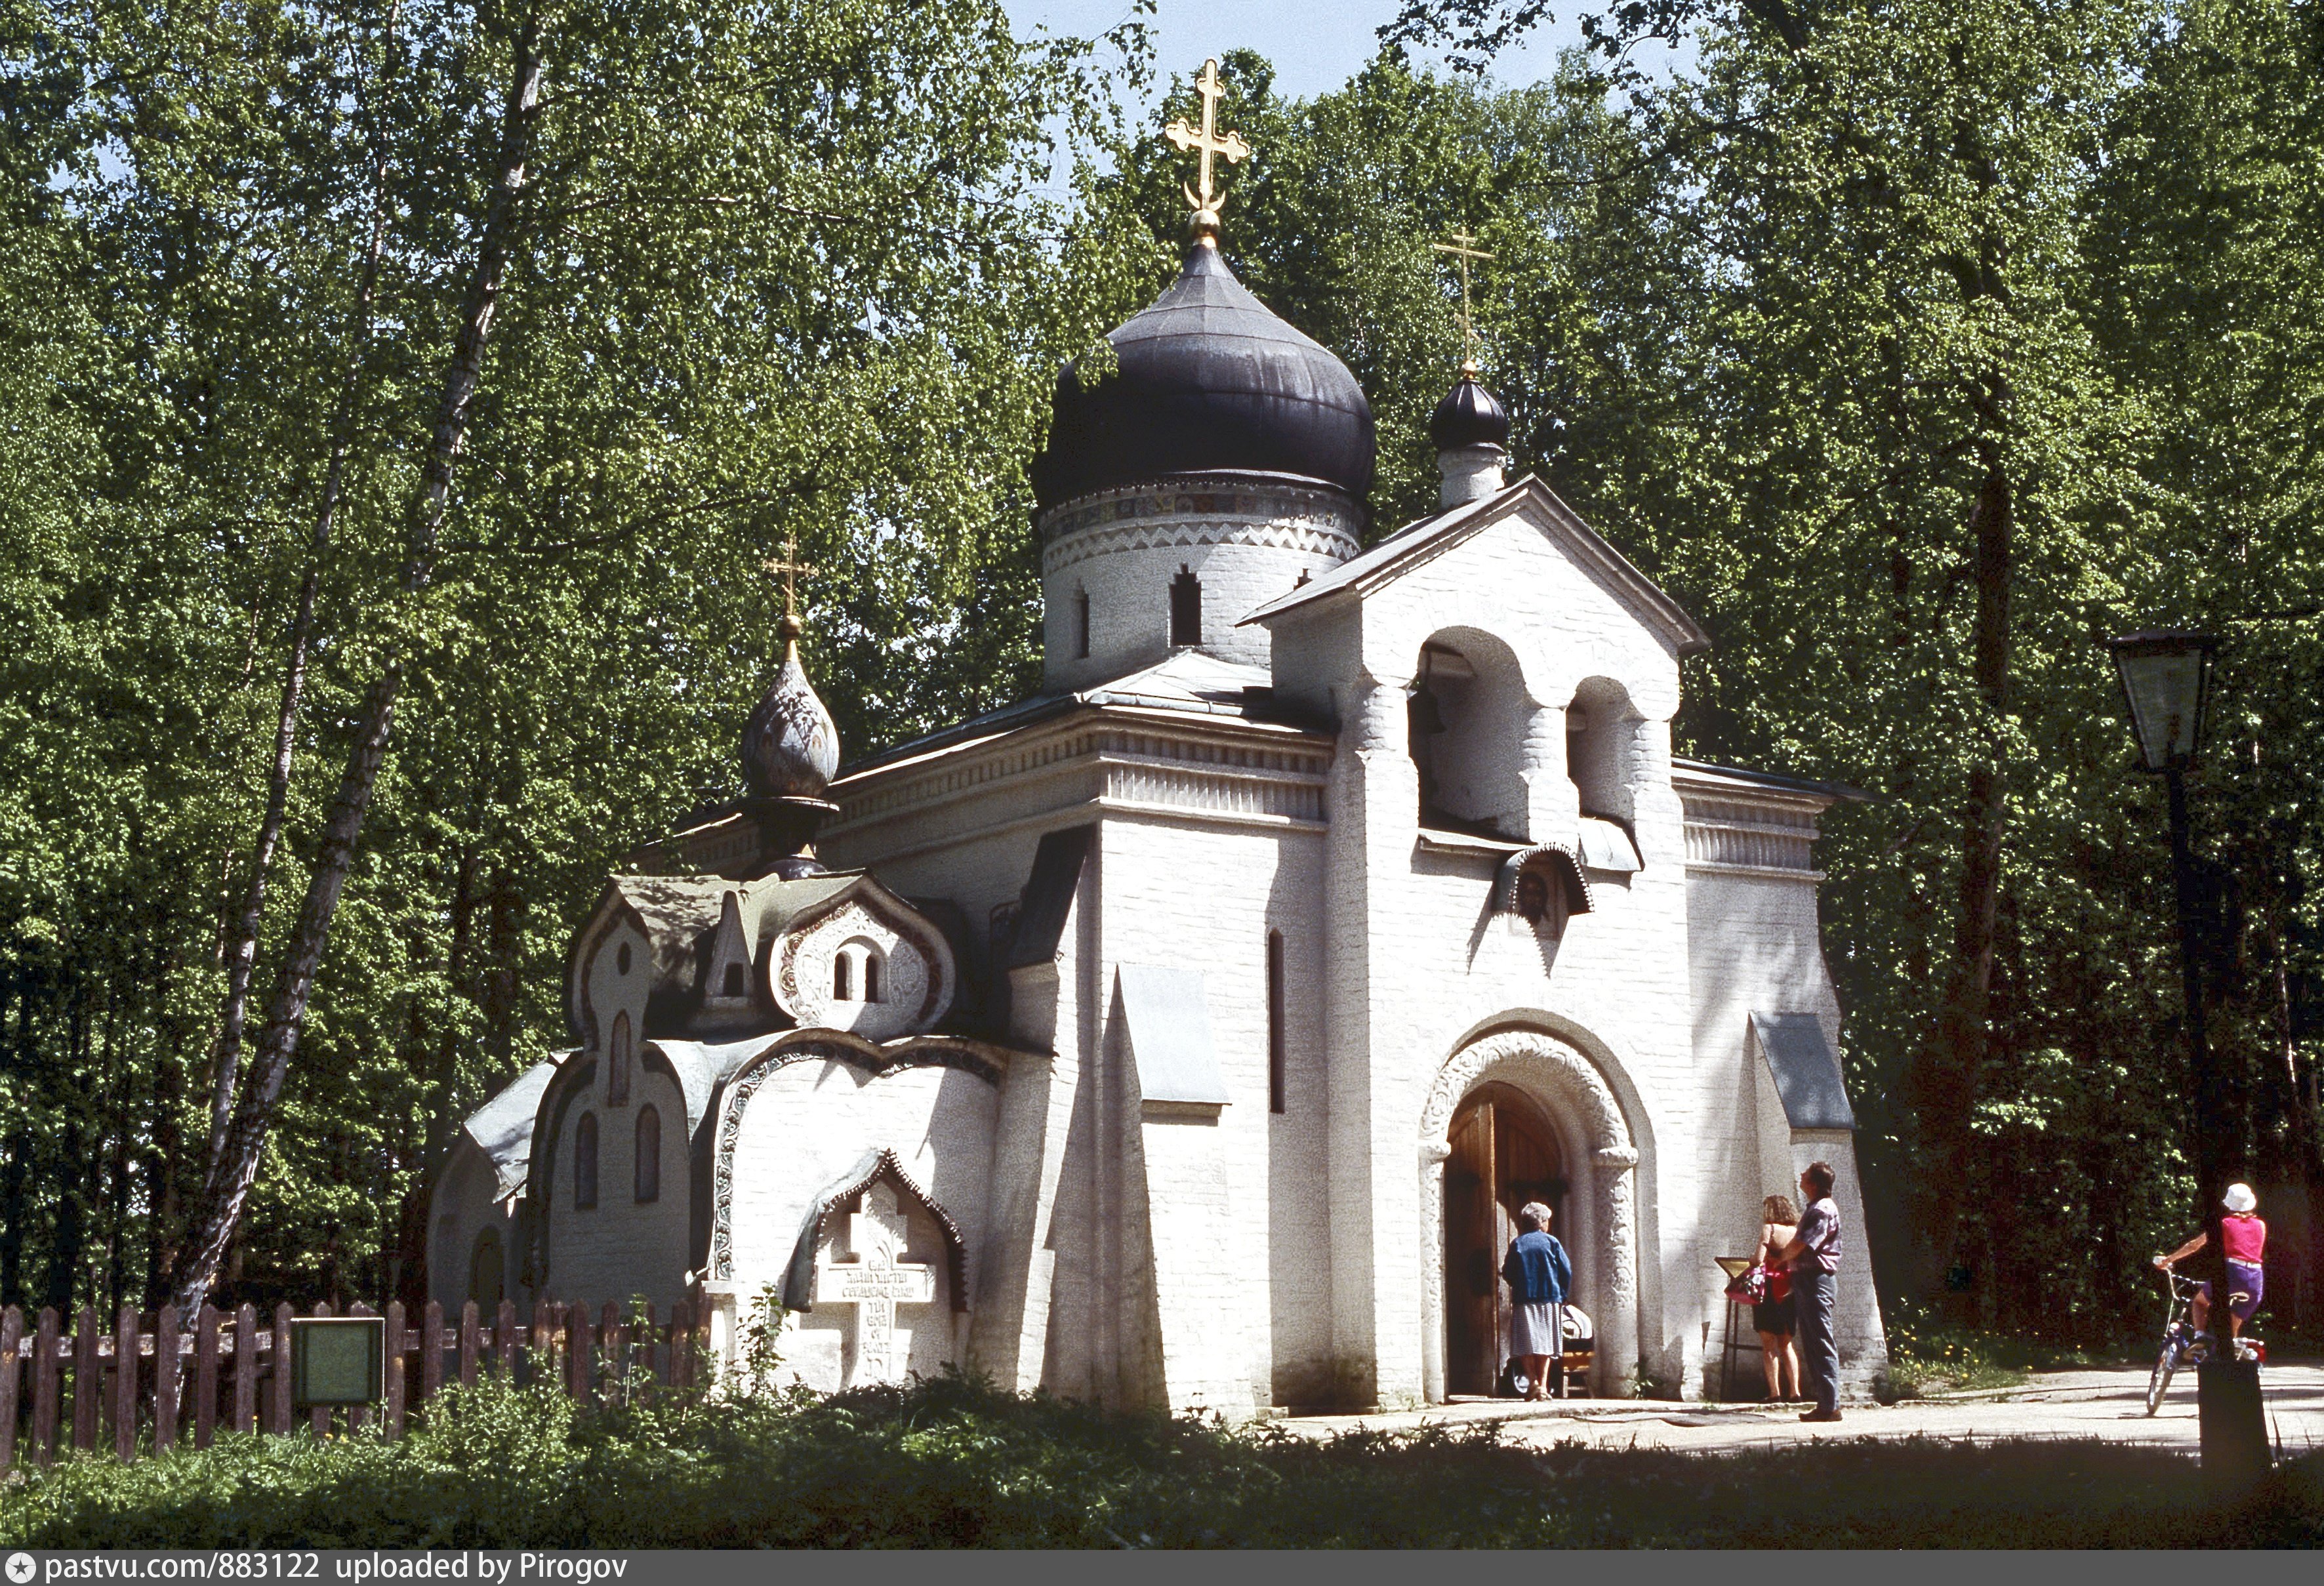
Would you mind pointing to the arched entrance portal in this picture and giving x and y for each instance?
(1578, 1127)
(1503, 1156)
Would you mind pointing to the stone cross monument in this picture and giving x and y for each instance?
(875, 1281)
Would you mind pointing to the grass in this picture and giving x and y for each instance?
(957, 1463)
(1927, 1357)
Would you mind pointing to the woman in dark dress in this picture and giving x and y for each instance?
(1774, 1319)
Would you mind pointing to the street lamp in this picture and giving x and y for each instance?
(2166, 681)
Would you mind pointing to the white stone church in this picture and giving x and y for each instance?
(1187, 1034)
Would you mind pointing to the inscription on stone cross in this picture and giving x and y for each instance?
(875, 1281)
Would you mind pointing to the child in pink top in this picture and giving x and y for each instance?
(2243, 1240)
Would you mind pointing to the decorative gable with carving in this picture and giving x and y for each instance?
(866, 962)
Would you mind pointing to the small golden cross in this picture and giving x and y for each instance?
(1464, 247)
(1227, 146)
(788, 568)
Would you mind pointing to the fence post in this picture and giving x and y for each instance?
(613, 1335)
(320, 1417)
(541, 1346)
(245, 1368)
(48, 1361)
(431, 1352)
(278, 1397)
(646, 1362)
(124, 1384)
(206, 1375)
(505, 1343)
(577, 1373)
(359, 1415)
(12, 1332)
(168, 1378)
(468, 1344)
(88, 1378)
(391, 1412)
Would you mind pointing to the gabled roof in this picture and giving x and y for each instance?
(1417, 544)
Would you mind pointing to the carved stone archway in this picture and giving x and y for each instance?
(1568, 1087)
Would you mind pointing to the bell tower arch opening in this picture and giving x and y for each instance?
(1468, 714)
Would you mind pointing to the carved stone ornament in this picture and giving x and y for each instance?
(1568, 1084)
(915, 973)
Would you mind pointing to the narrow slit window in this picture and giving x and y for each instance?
(734, 986)
(1185, 607)
(871, 976)
(1081, 626)
(585, 1163)
(1275, 1021)
(647, 1174)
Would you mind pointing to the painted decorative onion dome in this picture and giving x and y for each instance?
(790, 749)
(1470, 415)
(1208, 379)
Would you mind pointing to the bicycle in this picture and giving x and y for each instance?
(2181, 1344)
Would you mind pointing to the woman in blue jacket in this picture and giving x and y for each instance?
(1538, 1274)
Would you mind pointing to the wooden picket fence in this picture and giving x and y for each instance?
(146, 1383)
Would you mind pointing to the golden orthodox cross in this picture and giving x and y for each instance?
(1464, 248)
(788, 568)
(1228, 146)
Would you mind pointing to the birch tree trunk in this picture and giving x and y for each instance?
(228, 1190)
(242, 946)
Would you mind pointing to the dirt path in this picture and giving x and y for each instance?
(2105, 1405)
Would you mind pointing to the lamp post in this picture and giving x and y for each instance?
(2166, 681)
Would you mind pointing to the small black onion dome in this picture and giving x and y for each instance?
(1470, 415)
(1207, 379)
(790, 748)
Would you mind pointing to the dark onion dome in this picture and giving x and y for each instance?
(1470, 415)
(1207, 379)
(790, 749)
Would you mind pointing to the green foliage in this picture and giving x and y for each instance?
(1929, 1354)
(952, 1464)
(810, 274)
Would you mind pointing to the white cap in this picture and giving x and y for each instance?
(2240, 1199)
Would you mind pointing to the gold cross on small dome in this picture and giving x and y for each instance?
(1228, 146)
(789, 569)
(1464, 248)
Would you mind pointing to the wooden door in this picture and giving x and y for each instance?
(1501, 1158)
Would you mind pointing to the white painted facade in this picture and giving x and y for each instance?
(1120, 1051)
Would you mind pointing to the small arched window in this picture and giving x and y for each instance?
(734, 986)
(1185, 607)
(622, 960)
(875, 972)
(617, 1062)
(585, 1163)
(843, 978)
(646, 1177)
(486, 1276)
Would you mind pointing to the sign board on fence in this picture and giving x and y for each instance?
(337, 1361)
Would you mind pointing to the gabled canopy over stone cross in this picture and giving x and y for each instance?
(875, 1281)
